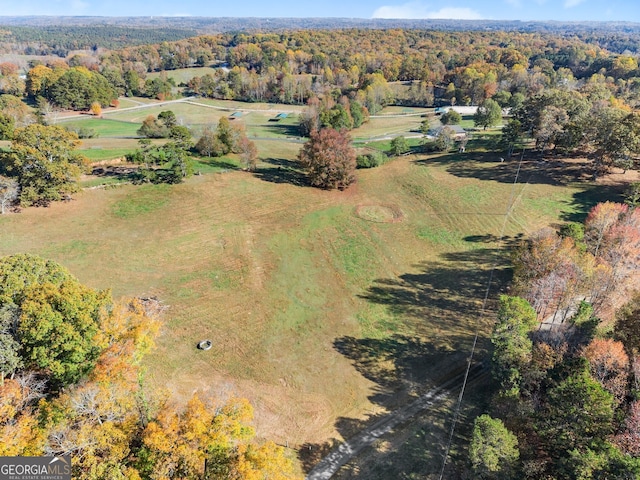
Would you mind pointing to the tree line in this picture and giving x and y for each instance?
(442, 67)
(60, 40)
(566, 404)
(475, 63)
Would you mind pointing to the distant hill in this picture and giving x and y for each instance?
(230, 24)
(61, 33)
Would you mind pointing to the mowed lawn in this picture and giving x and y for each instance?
(104, 127)
(116, 133)
(183, 75)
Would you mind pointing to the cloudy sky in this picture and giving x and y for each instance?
(571, 10)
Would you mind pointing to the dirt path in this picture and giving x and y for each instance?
(329, 465)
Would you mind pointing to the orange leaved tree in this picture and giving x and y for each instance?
(329, 159)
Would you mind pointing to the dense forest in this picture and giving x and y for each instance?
(59, 40)
(443, 67)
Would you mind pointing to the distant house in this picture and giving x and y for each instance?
(458, 132)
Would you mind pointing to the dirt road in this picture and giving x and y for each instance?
(330, 464)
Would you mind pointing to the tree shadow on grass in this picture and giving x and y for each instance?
(590, 196)
(490, 166)
(281, 170)
(218, 162)
(420, 452)
(415, 453)
(440, 304)
(282, 129)
(443, 289)
(509, 241)
(114, 171)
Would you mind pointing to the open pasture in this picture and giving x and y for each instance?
(104, 127)
(324, 308)
(116, 131)
(183, 75)
(392, 125)
(186, 113)
(232, 105)
(258, 120)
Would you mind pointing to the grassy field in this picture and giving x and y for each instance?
(324, 308)
(380, 126)
(117, 131)
(98, 154)
(232, 105)
(186, 113)
(183, 75)
(104, 127)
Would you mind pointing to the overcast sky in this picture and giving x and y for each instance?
(565, 10)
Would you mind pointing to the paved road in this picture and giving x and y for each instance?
(330, 464)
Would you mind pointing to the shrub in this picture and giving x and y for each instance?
(451, 117)
(371, 160)
(83, 132)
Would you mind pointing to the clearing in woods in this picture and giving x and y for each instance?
(325, 308)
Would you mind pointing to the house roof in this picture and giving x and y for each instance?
(457, 129)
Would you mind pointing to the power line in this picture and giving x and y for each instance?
(482, 312)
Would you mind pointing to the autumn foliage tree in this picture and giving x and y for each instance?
(216, 439)
(96, 109)
(601, 219)
(554, 270)
(208, 144)
(116, 427)
(548, 271)
(609, 365)
(627, 326)
(45, 162)
(101, 417)
(248, 153)
(329, 159)
(20, 431)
